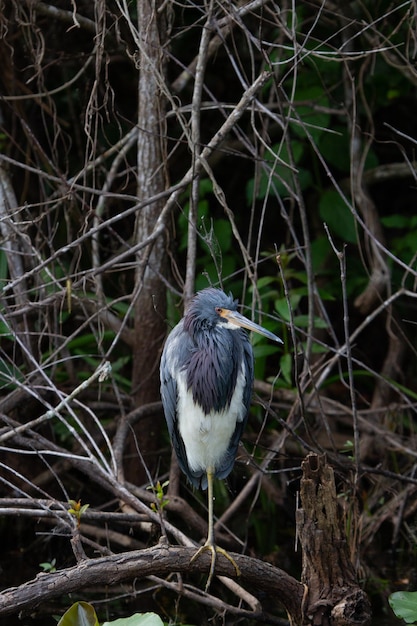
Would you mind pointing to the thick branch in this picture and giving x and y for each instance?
(160, 560)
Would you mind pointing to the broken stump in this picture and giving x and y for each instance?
(333, 596)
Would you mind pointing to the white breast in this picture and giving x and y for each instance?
(207, 437)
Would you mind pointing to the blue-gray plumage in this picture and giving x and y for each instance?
(206, 387)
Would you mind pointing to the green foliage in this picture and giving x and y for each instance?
(286, 368)
(310, 104)
(404, 235)
(83, 614)
(77, 510)
(48, 566)
(278, 172)
(10, 374)
(79, 614)
(161, 498)
(336, 214)
(4, 268)
(267, 289)
(404, 605)
(336, 150)
(215, 256)
(138, 619)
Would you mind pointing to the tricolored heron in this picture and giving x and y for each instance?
(206, 387)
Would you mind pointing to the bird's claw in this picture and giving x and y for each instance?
(209, 547)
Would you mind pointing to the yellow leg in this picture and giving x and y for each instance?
(210, 545)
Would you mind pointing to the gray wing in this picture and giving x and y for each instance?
(173, 359)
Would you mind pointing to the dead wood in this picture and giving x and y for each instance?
(333, 595)
(329, 593)
(160, 560)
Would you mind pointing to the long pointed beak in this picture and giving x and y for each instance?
(240, 320)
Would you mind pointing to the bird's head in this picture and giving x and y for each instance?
(212, 308)
(203, 313)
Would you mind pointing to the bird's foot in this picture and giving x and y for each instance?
(210, 547)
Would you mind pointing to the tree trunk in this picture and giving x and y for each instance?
(150, 293)
(333, 596)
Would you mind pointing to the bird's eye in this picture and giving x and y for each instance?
(218, 310)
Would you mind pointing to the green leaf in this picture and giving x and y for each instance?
(263, 281)
(335, 149)
(336, 214)
(281, 305)
(138, 619)
(79, 614)
(4, 268)
(317, 122)
(286, 367)
(218, 234)
(404, 605)
(302, 321)
(396, 221)
(281, 173)
(263, 350)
